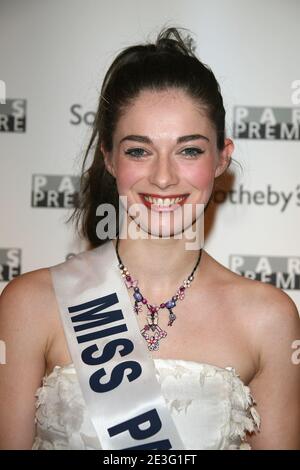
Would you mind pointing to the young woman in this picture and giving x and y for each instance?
(225, 365)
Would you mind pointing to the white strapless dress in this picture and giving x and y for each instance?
(210, 406)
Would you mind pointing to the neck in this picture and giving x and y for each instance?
(160, 265)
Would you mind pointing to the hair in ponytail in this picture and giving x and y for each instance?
(169, 62)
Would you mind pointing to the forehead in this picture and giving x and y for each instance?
(163, 114)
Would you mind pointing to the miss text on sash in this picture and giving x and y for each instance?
(86, 316)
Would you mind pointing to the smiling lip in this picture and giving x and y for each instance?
(169, 196)
(158, 208)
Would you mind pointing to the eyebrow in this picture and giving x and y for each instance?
(147, 140)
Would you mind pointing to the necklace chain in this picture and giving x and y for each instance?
(152, 331)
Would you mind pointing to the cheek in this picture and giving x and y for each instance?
(200, 176)
(127, 175)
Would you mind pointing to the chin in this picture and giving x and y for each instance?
(162, 224)
(163, 228)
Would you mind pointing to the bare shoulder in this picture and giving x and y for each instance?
(266, 314)
(41, 276)
(27, 316)
(269, 320)
(29, 301)
(269, 307)
(29, 288)
(261, 301)
(275, 325)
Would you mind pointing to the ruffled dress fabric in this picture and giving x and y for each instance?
(210, 406)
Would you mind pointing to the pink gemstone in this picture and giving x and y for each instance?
(182, 288)
(162, 305)
(128, 278)
(144, 301)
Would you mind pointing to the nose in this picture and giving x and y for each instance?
(163, 173)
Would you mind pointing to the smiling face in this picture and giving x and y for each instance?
(164, 157)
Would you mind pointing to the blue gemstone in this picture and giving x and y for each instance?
(138, 296)
(170, 304)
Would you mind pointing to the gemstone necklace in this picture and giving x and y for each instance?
(152, 331)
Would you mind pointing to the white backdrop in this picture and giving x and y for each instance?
(53, 57)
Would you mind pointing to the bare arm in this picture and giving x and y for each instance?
(276, 387)
(23, 327)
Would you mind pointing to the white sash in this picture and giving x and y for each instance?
(115, 370)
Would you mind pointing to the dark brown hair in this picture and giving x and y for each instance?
(168, 63)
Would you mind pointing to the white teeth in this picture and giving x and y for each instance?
(163, 202)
